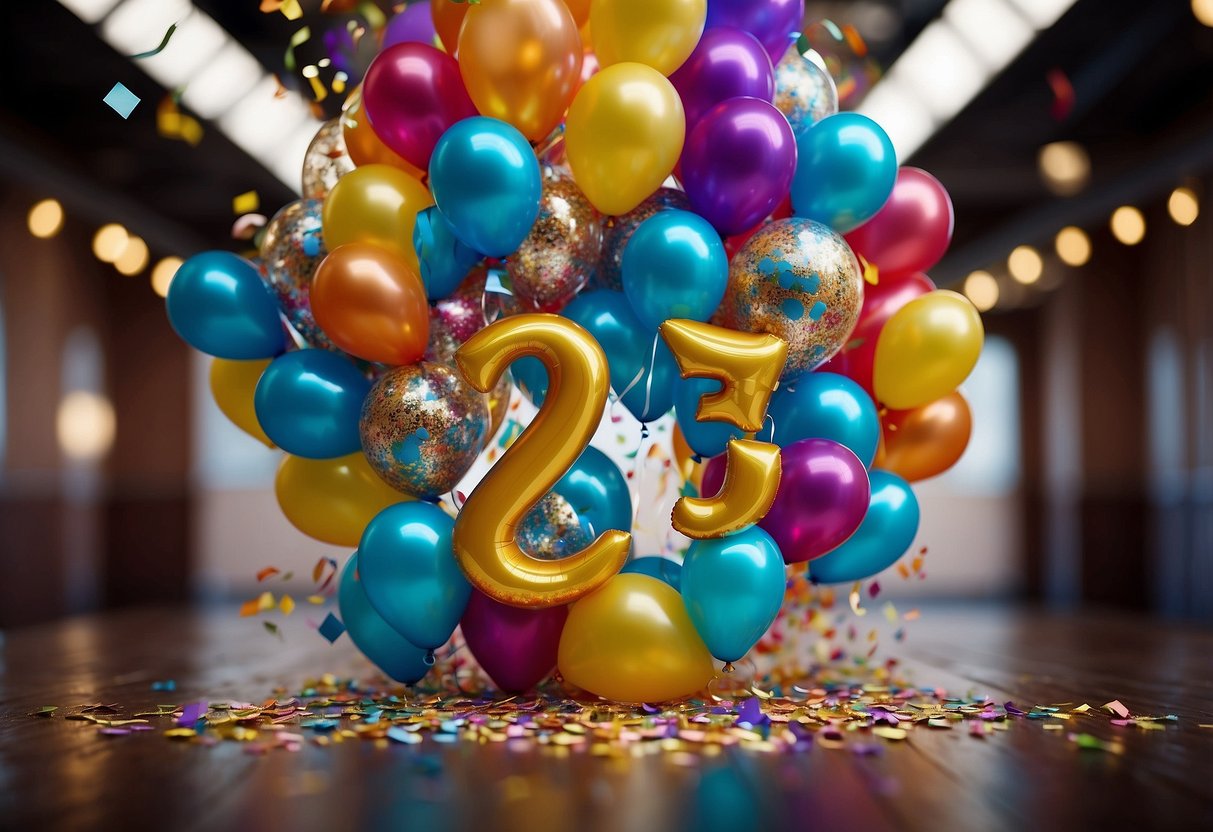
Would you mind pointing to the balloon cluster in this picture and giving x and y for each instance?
(671, 212)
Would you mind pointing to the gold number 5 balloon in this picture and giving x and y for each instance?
(485, 530)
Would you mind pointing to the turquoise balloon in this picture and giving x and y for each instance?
(387, 649)
(823, 406)
(845, 170)
(444, 260)
(663, 569)
(485, 180)
(309, 402)
(598, 492)
(219, 305)
(410, 574)
(733, 588)
(885, 534)
(674, 266)
(706, 439)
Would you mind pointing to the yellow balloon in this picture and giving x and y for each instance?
(632, 641)
(332, 499)
(375, 204)
(659, 33)
(232, 386)
(926, 350)
(485, 531)
(624, 134)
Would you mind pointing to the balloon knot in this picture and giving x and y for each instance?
(429, 659)
(728, 667)
(696, 458)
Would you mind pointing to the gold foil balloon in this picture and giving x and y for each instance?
(375, 204)
(422, 427)
(486, 529)
(798, 280)
(926, 441)
(751, 481)
(623, 135)
(232, 387)
(332, 500)
(804, 91)
(633, 641)
(616, 231)
(659, 33)
(326, 160)
(292, 249)
(364, 147)
(558, 256)
(552, 530)
(926, 350)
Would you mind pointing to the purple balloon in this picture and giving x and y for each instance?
(726, 64)
(515, 646)
(413, 25)
(823, 496)
(738, 163)
(774, 22)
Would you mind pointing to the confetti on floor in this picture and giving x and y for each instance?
(121, 100)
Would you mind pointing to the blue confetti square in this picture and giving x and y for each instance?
(331, 628)
(121, 100)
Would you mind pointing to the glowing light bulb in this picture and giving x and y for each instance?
(1073, 246)
(982, 290)
(46, 218)
(1128, 225)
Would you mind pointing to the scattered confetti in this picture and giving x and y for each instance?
(246, 203)
(171, 123)
(331, 628)
(290, 9)
(298, 39)
(121, 100)
(168, 35)
(267, 572)
(168, 685)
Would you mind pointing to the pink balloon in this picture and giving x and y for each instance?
(412, 94)
(912, 231)
(823, 496)
(515, 646)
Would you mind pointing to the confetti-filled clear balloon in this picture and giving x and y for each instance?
(804, 91)
(552, 530)
(616, 232)
(846, 58)
(291, 252)
(326, 160)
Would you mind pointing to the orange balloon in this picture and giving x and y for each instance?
(521, 62)
(361, 142)
(580, 9)
(926, 441)
(448, 19)
(372, 304)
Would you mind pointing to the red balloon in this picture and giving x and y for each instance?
(412, 93)
(515, 646)
(733, 244)
(912, 231)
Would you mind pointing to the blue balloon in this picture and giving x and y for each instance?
(309, 401)
(485, 180)
(598, 492)
(674, 266)
(410, 573)
(444, 260)
(655, 566)
(705, 438)
(885, 534)
(845, 171)
(823, 406)
(733, 588)
(219, 305)
(391, 652)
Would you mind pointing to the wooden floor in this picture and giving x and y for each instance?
(58, 773)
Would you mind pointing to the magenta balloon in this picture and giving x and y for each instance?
(913, 229)
(515, 646)
(413, 25)
(775, 23)
(823, 496)
(726, 64)
(737, 163)
(412, 94)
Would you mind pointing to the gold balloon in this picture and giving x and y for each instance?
(363, 146)
(332, 500)
(448, 19)
(926, 350)
(633, 641)
(521, 62)
(375, 204)
(486, 529)
(751, 481)
(232, 386)
(580, 9)
(659, 33)
(926, 441)
(624, 134)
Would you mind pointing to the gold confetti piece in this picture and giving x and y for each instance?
(854, 600)
(286, 604)
(290, 9)
(246, 203)
(315, 599)
(180, 733)
(871, 274)
(890, 733)
(890, 612)
(1055, 728)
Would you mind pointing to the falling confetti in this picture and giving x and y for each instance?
(168, 35)
(246, 203)
(121, 100)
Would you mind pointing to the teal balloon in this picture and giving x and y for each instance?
(845, 170)
(674, 266)
(410, 574)
(444, 260)
(485, 180)
(885, 534)
(663, 569)
(219, 305)
(733, 588)
(598, 492)
(705, 438)
(309, 402)
(387, 649)
(823, 406)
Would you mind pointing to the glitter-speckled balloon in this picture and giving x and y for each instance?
(804, 91)
(847, 59)
(326, 161)
(799, 280)
(552, 530)
(616, 232)
(558, 256)
(291, 252)
(422, 427)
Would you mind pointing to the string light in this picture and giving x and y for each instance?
(1025, 265)
(46, 218)
(163, 274)
(1073, 246)
(85, 425)
(1203, 9)
(982, 290)
(1128, 225)
(1183, 205)
(109, 242)
(134, 257)
(1065, 167)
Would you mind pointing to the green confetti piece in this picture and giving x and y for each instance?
(163, 43)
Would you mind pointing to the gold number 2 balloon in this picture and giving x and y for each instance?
(748, 366)
(578, 381)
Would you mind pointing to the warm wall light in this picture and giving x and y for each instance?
(163, 274)
(1128, 225)
(1064, 167)
(1025, 265)
(46, 218)
(85, 425)
(1203, 9)
(1183, 205)
(109, 242)
(982, 289)
(1073, 246)
(134, 257)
